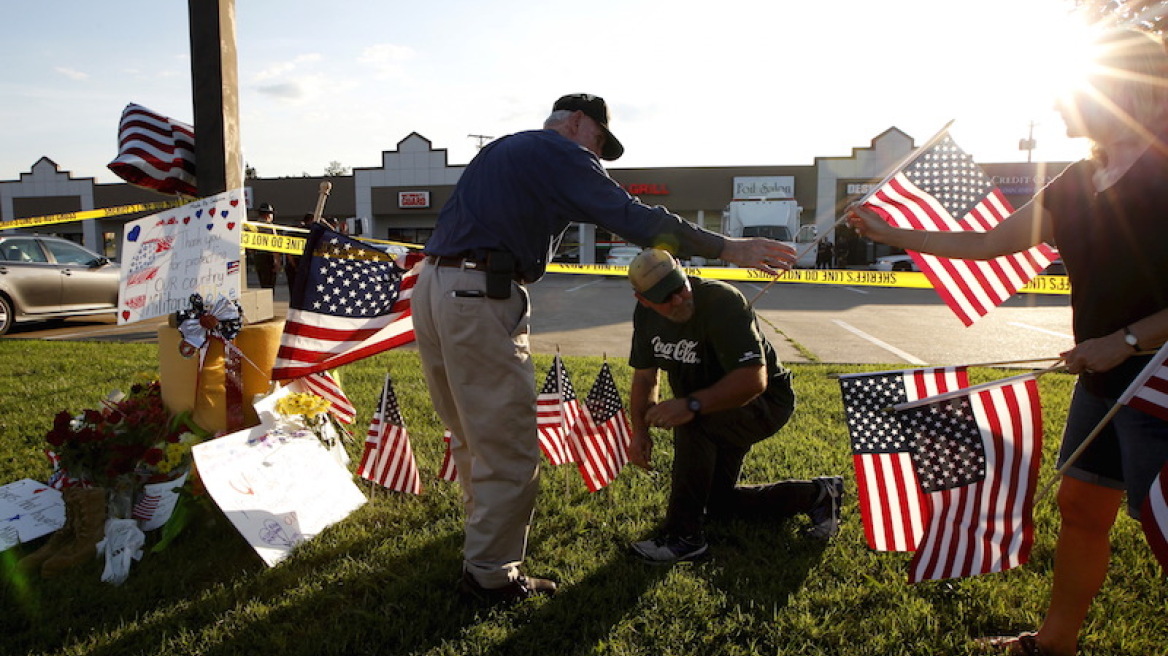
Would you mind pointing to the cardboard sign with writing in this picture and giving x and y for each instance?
(193, 249)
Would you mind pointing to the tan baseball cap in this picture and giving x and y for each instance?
(656, 275)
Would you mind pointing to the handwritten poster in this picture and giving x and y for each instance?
(193, 249)
(278, 490)
(28, 510)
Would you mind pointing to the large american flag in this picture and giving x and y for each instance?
(350, 301)
(603, 434)
(558, 414)
(942, 189)
(891, 501)
(155, 151)
(976, 457)
(388, 459)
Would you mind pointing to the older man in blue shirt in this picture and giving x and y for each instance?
(471, 313)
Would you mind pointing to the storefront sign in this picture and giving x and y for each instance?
(413, 200)
(647, 189)
(771, 186)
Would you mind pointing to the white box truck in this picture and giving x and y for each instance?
(775, 218)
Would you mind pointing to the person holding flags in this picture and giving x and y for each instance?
(730, 392)
(1106, 215)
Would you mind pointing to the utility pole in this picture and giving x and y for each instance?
(483, 139)
(1028, 144)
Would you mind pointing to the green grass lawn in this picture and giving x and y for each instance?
(383, 580)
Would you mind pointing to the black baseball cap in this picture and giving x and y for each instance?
(596, 109)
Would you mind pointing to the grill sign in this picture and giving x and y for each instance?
(413, 199)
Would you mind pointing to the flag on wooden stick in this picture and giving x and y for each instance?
(976, 458)
(603, 434)
(448, 472)
(350, 301)
(557, 414)
(388, 459)
(891, 501)
(941, 188)
(324, 385)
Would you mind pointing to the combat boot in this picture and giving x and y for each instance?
(57, 541)
(88, 530)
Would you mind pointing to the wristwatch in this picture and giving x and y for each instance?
(694, 405)
(1130, 338)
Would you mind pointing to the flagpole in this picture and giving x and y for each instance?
(903, 163)
(944, 366)
(325, 188)
(969, 390)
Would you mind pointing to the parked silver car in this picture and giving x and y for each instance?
(44, 277)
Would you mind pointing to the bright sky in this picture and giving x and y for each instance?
(733, 82)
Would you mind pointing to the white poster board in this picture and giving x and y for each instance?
(277, 490)
(28, 510)
(193, 249)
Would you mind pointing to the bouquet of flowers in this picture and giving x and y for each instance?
(132, 438)
(311, 411)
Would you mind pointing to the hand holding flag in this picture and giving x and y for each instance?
(940, 188)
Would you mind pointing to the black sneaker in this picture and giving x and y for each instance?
(666, 550)
(521, 588)
(825, 514)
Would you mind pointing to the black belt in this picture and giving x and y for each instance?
(457, 262)
(466, 263)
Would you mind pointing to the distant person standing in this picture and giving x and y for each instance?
(823, 255)
(291, 262)
(267, 263)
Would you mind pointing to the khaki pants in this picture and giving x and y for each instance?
(477, 362)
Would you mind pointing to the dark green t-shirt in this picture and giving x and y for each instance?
(723, 335)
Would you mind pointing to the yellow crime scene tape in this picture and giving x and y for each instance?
(251, 239)
(850, 277)
(83, 215)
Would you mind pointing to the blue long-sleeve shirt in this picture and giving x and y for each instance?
(521, 191)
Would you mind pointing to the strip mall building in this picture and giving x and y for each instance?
(400, 199)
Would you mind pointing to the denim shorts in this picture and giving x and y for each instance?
(1126, 455)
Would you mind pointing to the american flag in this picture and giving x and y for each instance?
(1149, 391)
(942, 189)
(350, 301)
(388, 459)
(155, 152)
(603, 433)
(891, 501)
(448, 472)
(558, 413)
(1154, 517)
(976, 457)
(324, 385)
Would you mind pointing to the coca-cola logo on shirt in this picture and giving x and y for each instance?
(684, 350)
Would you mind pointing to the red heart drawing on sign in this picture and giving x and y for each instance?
(231, 225)
(235, 203)
(125, 314)
(186, 220)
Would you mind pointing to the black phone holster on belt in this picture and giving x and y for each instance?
(500, 274)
